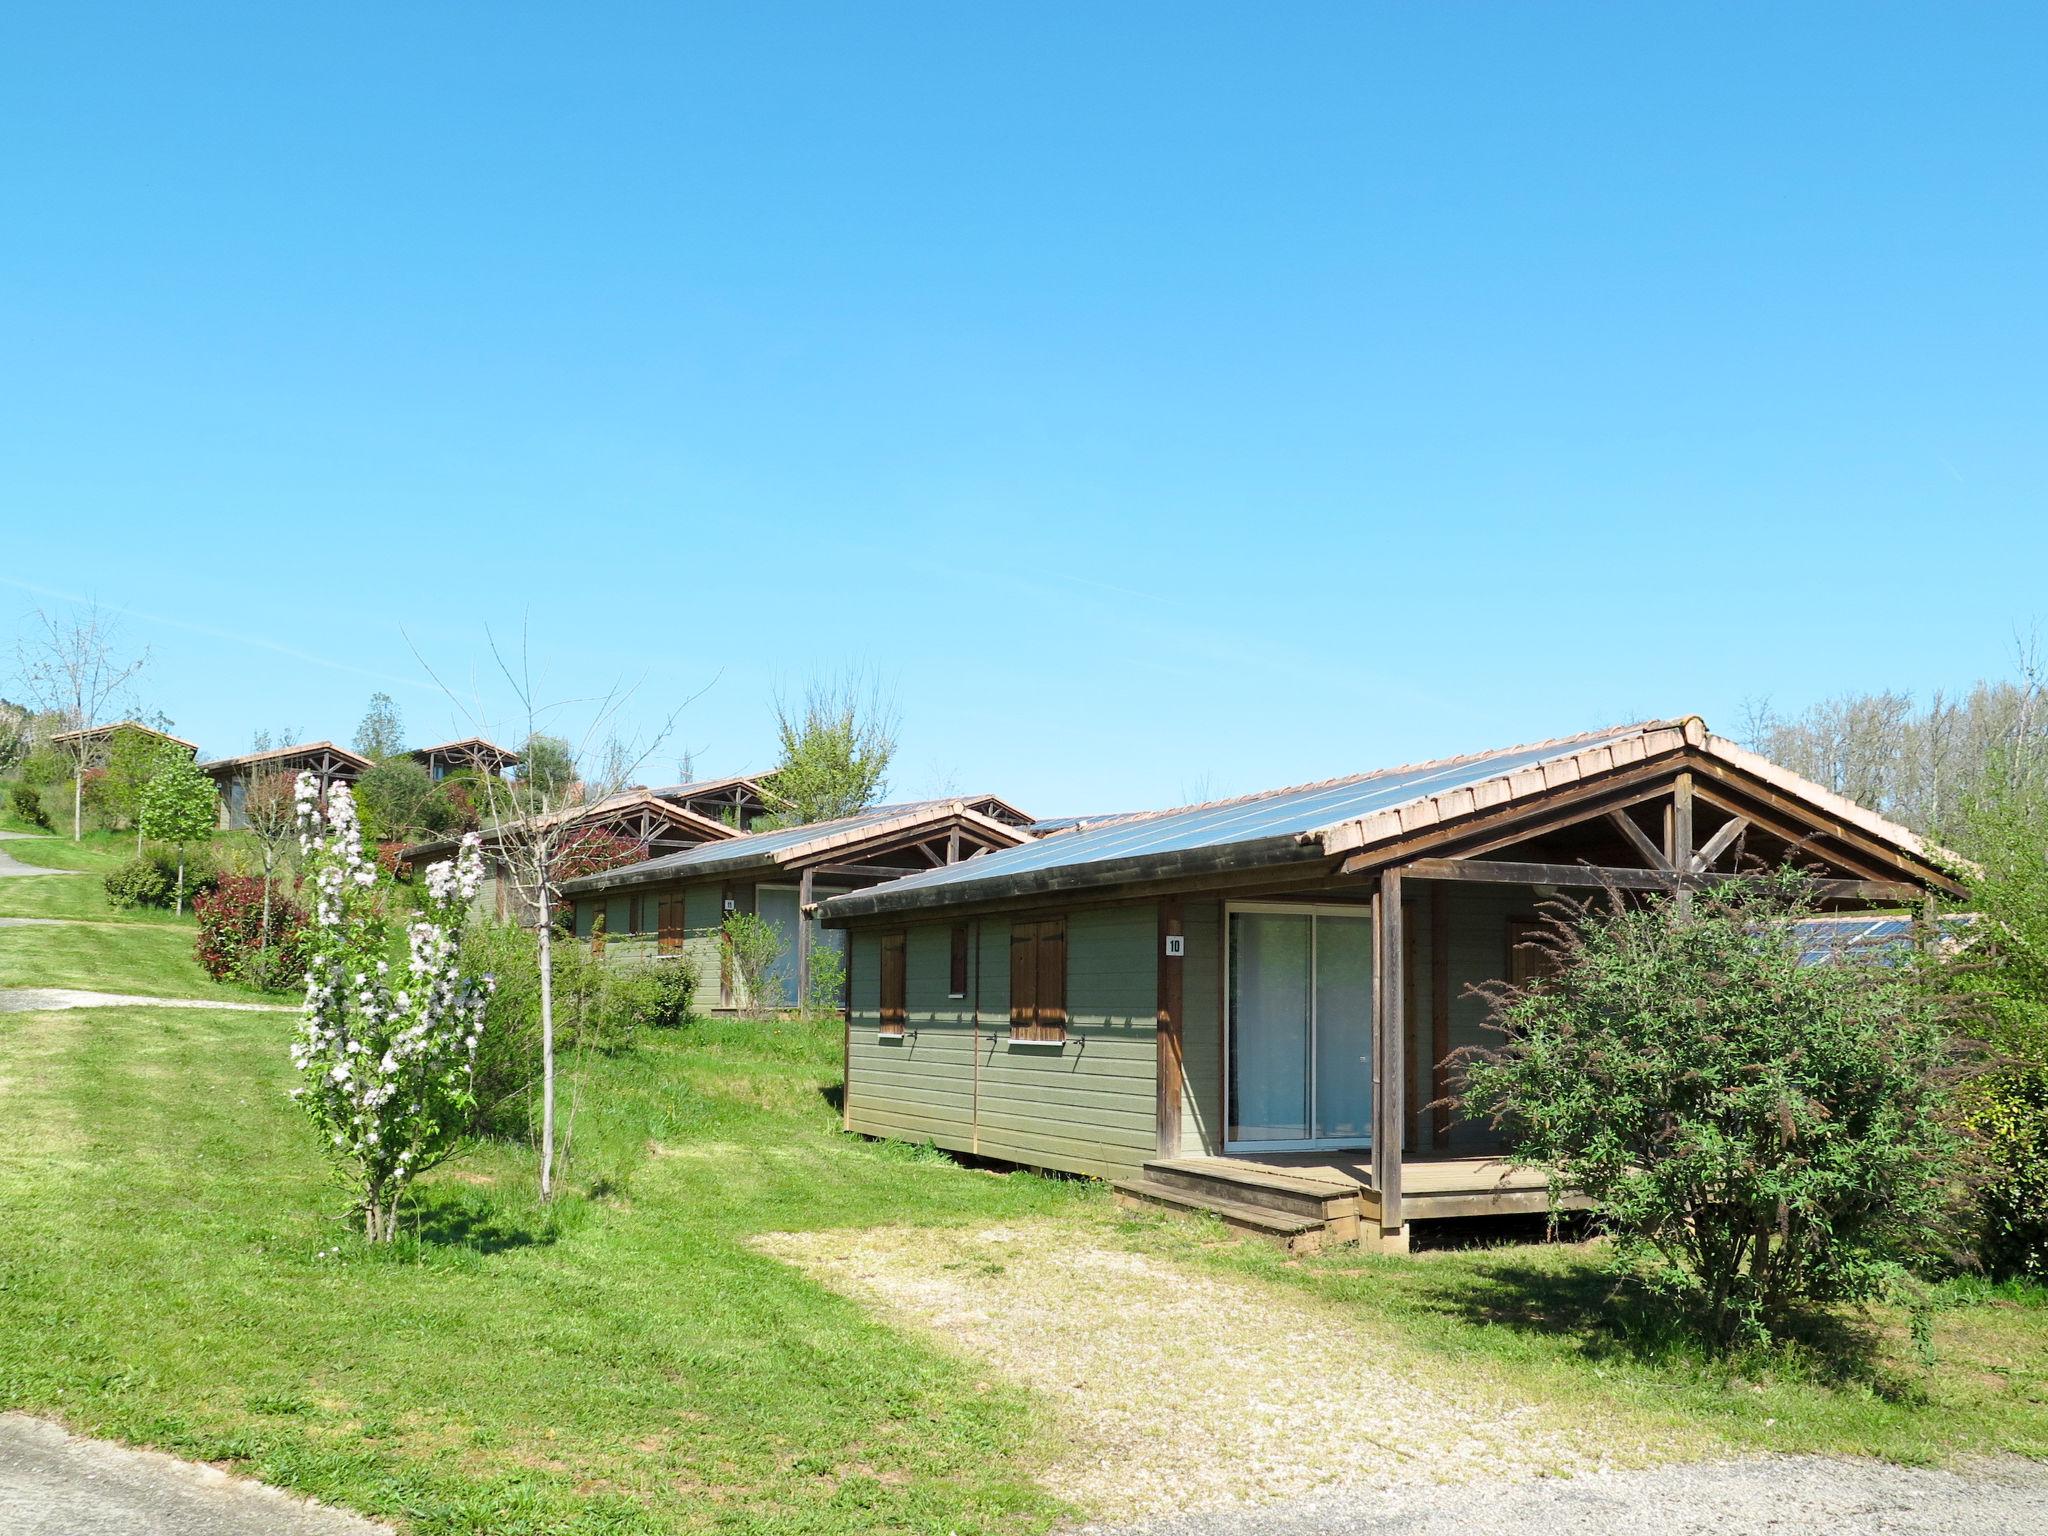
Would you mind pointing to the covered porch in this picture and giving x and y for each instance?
(1342, 994)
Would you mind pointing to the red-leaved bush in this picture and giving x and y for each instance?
(593, 851)
(231, 927)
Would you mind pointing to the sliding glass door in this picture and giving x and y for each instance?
(1299, 1028)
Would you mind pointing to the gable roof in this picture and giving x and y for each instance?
(467, 743)
(89, 731)
(303, 749)
(697, 788)
(627, 802)
(1309, 822)
(792, 847)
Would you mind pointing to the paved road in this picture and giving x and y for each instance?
(56, 1484)
(10, 865)
(1765, 1496)
(54, 999)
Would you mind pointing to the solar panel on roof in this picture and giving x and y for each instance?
(1281, 813)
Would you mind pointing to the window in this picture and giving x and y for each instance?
(894, 1014)
(956, 986)
(1038, 980)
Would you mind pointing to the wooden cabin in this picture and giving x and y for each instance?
(1244, 1006)
(232, 776)
(739, 802)
(659, 827)
(674, 907)
(473, 753)
(97, 740)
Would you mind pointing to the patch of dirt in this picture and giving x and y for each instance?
(1181, 1391)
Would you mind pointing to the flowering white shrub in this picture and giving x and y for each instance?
(387, 1055)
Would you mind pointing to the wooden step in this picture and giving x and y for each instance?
(1298, 1234)
(1275, 1189)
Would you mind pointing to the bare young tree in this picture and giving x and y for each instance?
(530, 820)
(68, 668)
(270, 815)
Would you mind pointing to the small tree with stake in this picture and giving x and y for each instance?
(270, 813)
(178, 806)
(1760, 1134)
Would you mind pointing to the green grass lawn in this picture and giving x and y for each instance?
(111, 949)
(175, 1272)
(622, 1363)
(79, 896)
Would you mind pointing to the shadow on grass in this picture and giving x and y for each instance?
(1582, 1310)
(437, 1217)
(834, 1095)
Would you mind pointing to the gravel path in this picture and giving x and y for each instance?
(1184, 1391)
(51, 999)
(53, 1483)
(1763, 1496)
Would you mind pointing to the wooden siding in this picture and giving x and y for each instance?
(957, 1079)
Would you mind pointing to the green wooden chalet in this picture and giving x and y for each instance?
(1246, 1006)
(674, 907)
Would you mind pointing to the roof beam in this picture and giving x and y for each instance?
(1499, 872)
(1717, 845)
(1653, 856)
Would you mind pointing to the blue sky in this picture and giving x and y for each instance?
(1168, 399)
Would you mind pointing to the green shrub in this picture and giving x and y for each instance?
(828, 979)
(2004, 977)
(1761, 1136)
(151, 878)
(2009, 1110)
(45, 768)
(752, 947)
(27, 803)
(656, 994)
(140, 882)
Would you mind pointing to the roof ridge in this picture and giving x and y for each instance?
(1638, 727)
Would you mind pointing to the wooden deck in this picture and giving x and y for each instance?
(1306, 1199)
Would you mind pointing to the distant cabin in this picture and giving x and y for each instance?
(472, 753)
(649, 822)
(232, 776)
(1246, 1006)
(671, 909)
(100, 738)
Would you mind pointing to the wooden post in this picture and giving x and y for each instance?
(1172, 987)
(1439, 1016)
(1681, 841)
(804, 898)
(1388, 1028)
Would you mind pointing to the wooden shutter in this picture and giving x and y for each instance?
(1052, 980)
(669, 914)
(894, 1012)
(1024, 981)
(1038, 980)
(956, 984)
